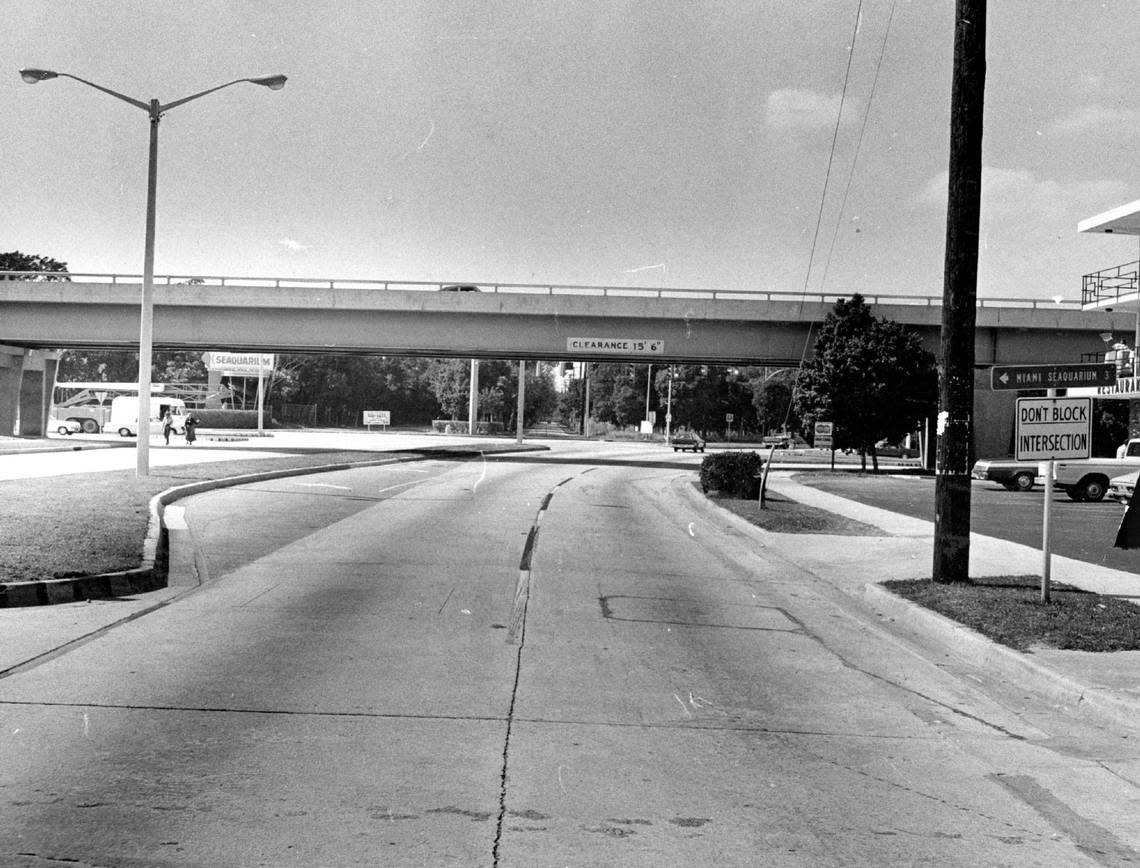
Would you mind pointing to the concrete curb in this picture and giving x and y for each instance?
(965, 643)
(985, 653)
(151, 574)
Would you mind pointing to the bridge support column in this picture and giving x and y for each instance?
(11, 373)
(26, 381)
(519, 421)
(473, 398)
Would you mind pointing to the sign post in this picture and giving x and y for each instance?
(1047, 429)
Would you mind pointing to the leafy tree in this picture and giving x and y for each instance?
(541, 398)
(50, 269)
(1110, 426)
(449, 380)
(772, 398)
(869, 376)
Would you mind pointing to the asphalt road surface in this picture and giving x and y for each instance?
(527, 662)
(1083, 531)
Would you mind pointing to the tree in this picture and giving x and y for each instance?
(541, 398)
(1110, 426)
(448, 380)
(870, 377)
(50, 269)
(772, 398)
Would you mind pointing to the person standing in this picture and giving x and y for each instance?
(167, 426)
(190, 424)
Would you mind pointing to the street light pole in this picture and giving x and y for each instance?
(154, 110)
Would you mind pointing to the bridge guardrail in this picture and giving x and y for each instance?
(532, 289)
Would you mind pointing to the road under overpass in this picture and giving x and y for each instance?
(498, 321)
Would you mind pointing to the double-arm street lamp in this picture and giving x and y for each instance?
(155, 110)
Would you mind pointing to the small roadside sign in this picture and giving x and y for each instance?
(823, 434)
(1053, 428)
(1051, 376)
(377, 417)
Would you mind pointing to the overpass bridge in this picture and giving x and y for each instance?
(504, 321)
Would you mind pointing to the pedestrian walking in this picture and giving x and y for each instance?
(167, 426)
(190, 424)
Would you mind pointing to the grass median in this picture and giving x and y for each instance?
(88, 523)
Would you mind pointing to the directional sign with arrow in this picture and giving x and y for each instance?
(1051, 376)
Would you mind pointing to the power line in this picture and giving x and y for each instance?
(831, 156)
(823, 197)
(858, 146)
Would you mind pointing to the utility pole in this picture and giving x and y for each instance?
(959, 297)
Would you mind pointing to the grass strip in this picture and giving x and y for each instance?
(88, 523)
(1008, 609)
(781, 515)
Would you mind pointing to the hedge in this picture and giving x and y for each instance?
(736, 474)
(452, 426)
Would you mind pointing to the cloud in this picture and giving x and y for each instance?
(794, 109)
(1098, 119)
(1016, 203)
(295, 246)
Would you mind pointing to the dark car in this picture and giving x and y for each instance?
(459, 287)
(693, 443)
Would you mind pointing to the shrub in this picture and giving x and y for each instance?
(452, 426)
(732, 473)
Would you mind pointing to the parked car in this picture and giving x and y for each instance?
(1120, 487)
(693, 443)
(64, 426)
(1087, 479)
(893, 450)
(1014, 475)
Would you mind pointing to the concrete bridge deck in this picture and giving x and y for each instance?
(504, 320)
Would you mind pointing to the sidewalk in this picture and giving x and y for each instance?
(1107, 684)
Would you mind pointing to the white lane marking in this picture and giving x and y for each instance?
(174, 517)
(475, 487)
(683, 706)
(323, 485)
(399, 485)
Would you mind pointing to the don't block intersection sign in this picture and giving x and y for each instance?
(1052, 428)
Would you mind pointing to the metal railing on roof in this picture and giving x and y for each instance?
(532, 289)
(1110, 284)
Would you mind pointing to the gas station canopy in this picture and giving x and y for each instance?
(1124, 220)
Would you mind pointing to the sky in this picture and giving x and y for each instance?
(743, 146)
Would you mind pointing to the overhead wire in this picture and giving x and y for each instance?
(831, 156)
(858, 144)
(823, 196)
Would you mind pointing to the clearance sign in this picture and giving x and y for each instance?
(1052, 428)
(617, 346)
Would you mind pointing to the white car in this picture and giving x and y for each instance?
(64, 426)
(1120, 487)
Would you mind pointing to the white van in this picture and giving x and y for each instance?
(125, 414)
